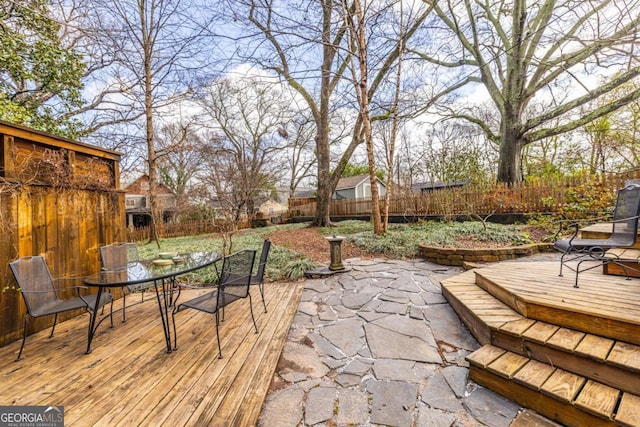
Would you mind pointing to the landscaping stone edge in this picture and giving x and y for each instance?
(460, 256)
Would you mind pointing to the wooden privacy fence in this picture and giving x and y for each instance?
(183, 228)
(539, 196)
(58, 198)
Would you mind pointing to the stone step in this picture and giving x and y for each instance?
(555, 393)
(612, 362)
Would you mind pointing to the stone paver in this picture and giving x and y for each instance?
(320, 404)
(379, 345)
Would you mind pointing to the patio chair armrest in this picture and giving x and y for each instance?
(625, 219)
(563, 225)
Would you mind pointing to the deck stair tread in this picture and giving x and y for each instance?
(626, 253)
(612, 362)
(554, 392)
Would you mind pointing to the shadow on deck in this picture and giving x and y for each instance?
(129, 379)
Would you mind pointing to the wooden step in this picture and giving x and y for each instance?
(610, 362)
(560, 395)
(631, 261)
(479, 311)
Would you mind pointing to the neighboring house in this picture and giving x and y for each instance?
(269, 208)
(284, 194)
(137, 202)
(427, 187)
(357, 187)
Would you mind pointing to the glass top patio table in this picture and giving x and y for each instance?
(163, 277)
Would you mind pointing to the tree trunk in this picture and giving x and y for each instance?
(510, 165)
(394, 131)
(148, 111)
(362, 88)
(325, 187)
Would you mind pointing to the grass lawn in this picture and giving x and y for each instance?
(401, 241)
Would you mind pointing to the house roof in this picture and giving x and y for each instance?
(352, 181)
(305, 192)
(136, 186)
(436, 185)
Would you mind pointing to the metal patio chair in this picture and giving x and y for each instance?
(41, 296)
(233, 285)
(117, 256)
(258, 278)
(624, 234)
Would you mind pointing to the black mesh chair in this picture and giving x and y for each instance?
(624, 234)
(258, 278)
(233, 285)
(41, 296)
(117, 256)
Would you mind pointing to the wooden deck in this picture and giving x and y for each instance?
(129, 379)
(603, 305)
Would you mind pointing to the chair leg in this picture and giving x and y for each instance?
(111, 313)
(24, 337)
(578, 272)
(53, 328)
(561, 264)
(218, 334)
(124, 306)
(175, 335)
(261, 286)
(252, 317)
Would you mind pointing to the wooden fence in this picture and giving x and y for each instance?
(185, 228)
(539, 196)
(60, 199)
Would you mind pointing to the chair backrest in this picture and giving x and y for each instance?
(116, 256)
(235, 276)
(625, 215)
(34, 279)
(259, 277)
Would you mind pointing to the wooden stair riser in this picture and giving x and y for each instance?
(543, 357)
(476, 326)
(562, 412)
(617, 270)
(556, 393)
(610, 375)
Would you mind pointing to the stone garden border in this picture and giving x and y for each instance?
(460, 256)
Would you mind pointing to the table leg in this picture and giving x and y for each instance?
(163, 306)
(92, 320)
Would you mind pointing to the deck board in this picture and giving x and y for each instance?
(129, 379)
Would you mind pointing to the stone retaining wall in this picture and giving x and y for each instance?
(458, 256)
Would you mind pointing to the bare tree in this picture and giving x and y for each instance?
(455, 151)
(299, 134)
(178, 157)
(611, 140)
(390, 152)
(246, 156)
(358, 43)
(306, 46)
(153, 43)
(538, 51)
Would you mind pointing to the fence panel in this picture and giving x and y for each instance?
(538, 196)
